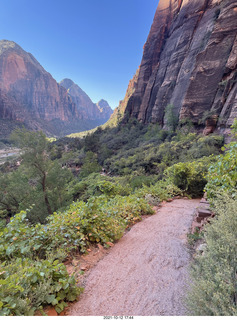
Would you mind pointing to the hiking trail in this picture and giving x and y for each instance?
(146, 272)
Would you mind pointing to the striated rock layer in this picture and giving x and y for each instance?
(118, 112)
(85, 107)
(27, 91)
(189, 61)
(29, 95)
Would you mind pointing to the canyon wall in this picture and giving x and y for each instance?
(85, 107)
(30, 96)
(190, 62)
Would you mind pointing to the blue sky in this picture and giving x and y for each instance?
(96, 43)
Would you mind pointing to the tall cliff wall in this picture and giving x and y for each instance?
(85, 107)
(189, 61)
(27, 91)
(29, 95)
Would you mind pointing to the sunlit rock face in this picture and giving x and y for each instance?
(27, 91)
(189, 61)
(29, 95)
(85, 107)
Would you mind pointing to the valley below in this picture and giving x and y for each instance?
(79, 181)
(8, 154)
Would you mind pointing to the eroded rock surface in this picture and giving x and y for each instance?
(190, 61)
(29, 95)
(27, 90)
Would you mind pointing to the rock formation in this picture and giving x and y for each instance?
(27, 90)
(85, 107)
(189, 61)
(29, 95)
(120, 110)
(105, 109)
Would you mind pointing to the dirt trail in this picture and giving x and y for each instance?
(145, 273)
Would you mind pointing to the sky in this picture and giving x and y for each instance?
(96, 43)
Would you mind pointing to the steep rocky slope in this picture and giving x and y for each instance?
(29, 95)
(105, 109)
(85, 107)
(118, 112)
(189, 61)
(27, 90)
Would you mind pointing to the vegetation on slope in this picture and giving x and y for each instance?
(57, 202)
(214, 285)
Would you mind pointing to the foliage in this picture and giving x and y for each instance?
(90, 165)
(214, 283)
(160, 191)
(43, 182)
(189, 176)
(101, 219)
(130, 208)
(27, 285)
(171, 118)
(82, 224)
(96, 185)
(15, 192)
(222, 175)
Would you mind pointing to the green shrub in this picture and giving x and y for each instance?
(189, 176)
(160, 191)
(99, 220)
(90, 165)
(222, 175)
(96, 185)
(214, 283)
(130, 208)
(20, 239)
(82, 224)
(27, 285)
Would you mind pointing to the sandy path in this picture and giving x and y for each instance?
(145, 273)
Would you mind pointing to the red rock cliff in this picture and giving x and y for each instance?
(27, 91)
(85, 107)
(189, 61)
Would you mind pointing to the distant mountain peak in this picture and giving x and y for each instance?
(6, 45)
(66, 83)
(84, 104)
(31, 96)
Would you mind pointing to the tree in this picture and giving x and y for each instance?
(90, 165)
(47, 179)
(171, 118)
(14, 193)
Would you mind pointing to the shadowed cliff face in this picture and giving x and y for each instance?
(190, 61)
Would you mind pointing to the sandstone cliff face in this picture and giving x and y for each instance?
(29, 95)
(118, 112)
(85, 107)
(105, 109)
(27, 91)
(189, 61)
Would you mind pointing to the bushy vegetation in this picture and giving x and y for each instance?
(32, 273)
(214, 284)
(71, 193)
(27, 285)
(214, 281)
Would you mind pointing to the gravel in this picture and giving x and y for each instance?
(146, 272)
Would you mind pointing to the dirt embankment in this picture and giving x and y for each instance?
(145, 273)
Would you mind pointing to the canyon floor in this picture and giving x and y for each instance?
(146, 272)
(8, 154)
